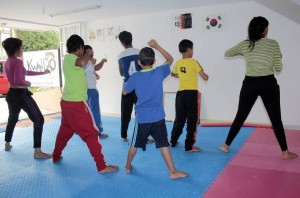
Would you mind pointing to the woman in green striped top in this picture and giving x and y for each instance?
(263, 57)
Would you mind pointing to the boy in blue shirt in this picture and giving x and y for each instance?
(150, 115)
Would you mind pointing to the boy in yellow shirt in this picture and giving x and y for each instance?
(186, 104)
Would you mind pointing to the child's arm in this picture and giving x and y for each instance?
(97, 76)
(174, 75)
(120, 69)
(83, 60)
(203, 75)
(166, 55)
(100, 65)
(124, 92)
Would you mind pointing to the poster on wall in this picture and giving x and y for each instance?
(113, 32)
(39, 61)
(181, 21)
(100, 34)
(214, 23)
(91, 35)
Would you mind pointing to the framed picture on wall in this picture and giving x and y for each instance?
(181, 21)
(100, 34)
(91, 35)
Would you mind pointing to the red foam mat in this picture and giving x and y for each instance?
(258, 170)
(246, 182)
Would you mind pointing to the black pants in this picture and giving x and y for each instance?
(267, 88)
(186, 106)
(18, 99)
(127, 103)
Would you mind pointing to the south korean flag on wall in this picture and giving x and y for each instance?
(215, 23)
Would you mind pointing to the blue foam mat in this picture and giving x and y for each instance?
(2, 130)
(76, 175)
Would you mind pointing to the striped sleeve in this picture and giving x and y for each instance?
(236, 50)
(277, 57)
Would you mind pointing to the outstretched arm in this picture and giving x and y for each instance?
(174, 75)
(120, 69)
(166, 55)
(100, 65)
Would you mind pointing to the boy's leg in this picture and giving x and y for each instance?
(181, 115)
(173, 173)
(192, 120)
(131, 153)
(87, 132)
(102, 135)
(138, 140)
(159, 133)
(80, 120)
(93, 100)
(126, 110)
(64, 134)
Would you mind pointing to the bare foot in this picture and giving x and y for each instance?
(7, 146)
(41, 155)
(109, 168)
(194, 149)
(224, 148)
(177, 174)
(149, 141)
(103, 135)
(124, 139)
(128, 169)
(289, 155)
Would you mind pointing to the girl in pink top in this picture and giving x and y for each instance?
(19, 97)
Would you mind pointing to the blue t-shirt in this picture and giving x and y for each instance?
(128, 59)
(148, 86)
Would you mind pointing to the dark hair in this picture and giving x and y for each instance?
(255, 30)
(125, 38)
(74, 43)
(86, 47)
(11, 46)
(184, 45)
(147, 56)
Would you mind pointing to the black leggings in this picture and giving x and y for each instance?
(267, 88)
(127, 103)
(18, 99)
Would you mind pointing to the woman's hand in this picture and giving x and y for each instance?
(47, 71)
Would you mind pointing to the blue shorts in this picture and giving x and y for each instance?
(142, 131)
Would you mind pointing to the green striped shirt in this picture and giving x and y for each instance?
(262, 60)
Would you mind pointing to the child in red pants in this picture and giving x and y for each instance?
(76, 114)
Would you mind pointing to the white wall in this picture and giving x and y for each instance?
(220, 94)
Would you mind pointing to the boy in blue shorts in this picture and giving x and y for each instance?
(150, 115)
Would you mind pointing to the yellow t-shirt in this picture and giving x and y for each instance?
(187, 70)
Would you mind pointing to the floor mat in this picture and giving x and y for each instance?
(2, 130)
(76, 174)
(259, 170)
